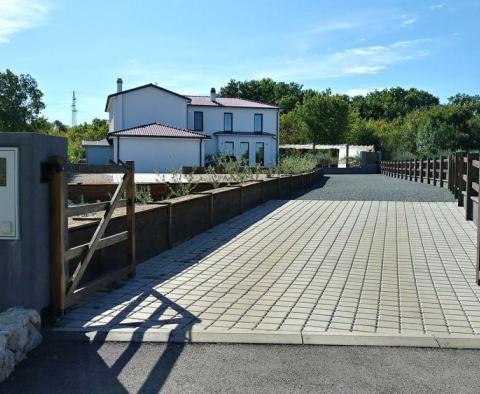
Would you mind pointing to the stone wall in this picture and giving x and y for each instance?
(19, 334)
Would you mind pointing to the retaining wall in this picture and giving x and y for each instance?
(162, 226)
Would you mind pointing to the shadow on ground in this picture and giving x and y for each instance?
(129, 300)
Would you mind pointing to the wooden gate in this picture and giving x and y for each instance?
(67, 285)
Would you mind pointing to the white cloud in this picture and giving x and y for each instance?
(359, 91)
(334, 26)
(352, 61)
(406, 20)
(437, 6)
(19, 15)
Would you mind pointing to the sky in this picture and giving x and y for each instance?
(350, 46)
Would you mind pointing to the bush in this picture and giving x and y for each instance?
(298, 164)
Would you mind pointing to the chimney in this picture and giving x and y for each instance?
(213, 94)
(119, 85)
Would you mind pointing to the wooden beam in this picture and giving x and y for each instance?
(80, 270)
(80, 250)
(85, 209)
(95, 168)
(97, 284)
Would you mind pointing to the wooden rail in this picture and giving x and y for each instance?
(459, 172)
(68, 287)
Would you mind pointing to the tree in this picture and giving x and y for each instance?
(326, 116)
(266, 90)
(394, 103)
(293, 129)
(94, 131)
(20, 102)
(464, 99)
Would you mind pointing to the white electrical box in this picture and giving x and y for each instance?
(9, 196)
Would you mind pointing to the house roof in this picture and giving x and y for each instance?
(228, 102)
(157, 130)
(200, 100)
(103, 142)
(148, 85)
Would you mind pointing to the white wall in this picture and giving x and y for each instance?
(158, 154)
(148, 105)
(243, 119)
(98, 154)
(270, 147)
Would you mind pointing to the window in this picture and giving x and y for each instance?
(259, 154)
(198, 121)
(244, 153)
(258, 123)
(229, 149)
(228, 121)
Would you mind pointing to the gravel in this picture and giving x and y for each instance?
(375, 187)
(80, 367)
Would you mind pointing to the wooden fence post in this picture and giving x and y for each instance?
(460, 180)
(478, 235)
(169, 225)
(440, 181)
(455, 175)
(421, 170)
(434, 171)
(451, 177)
(57, 234)
(469, 187)
(415, 173)
(130, 195)
(428, 171)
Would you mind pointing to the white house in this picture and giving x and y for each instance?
(162, 130)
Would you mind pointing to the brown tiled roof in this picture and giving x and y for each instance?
(228, 102)
(157, 130)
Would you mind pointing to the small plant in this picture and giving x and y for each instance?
(143, 194)
(212, 176)
(181, 184)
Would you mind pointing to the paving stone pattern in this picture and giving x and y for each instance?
(307, 267)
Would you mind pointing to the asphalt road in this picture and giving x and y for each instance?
(376, 187)
(80, 367)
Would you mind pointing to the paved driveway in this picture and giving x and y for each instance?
(375, 187)
(305, 271)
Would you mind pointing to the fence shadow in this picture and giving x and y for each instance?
(125, 300)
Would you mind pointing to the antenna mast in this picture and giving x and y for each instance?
(74, 110)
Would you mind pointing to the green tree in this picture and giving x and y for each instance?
(393, 103)
(20, 101)
(94, 131)
(266, 90)
(293, 129)
(326, 116)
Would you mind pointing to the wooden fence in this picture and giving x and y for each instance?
(67, 284)
(459, 172)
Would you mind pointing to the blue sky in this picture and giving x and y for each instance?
(189, 46)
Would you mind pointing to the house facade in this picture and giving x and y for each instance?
(162, 130)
